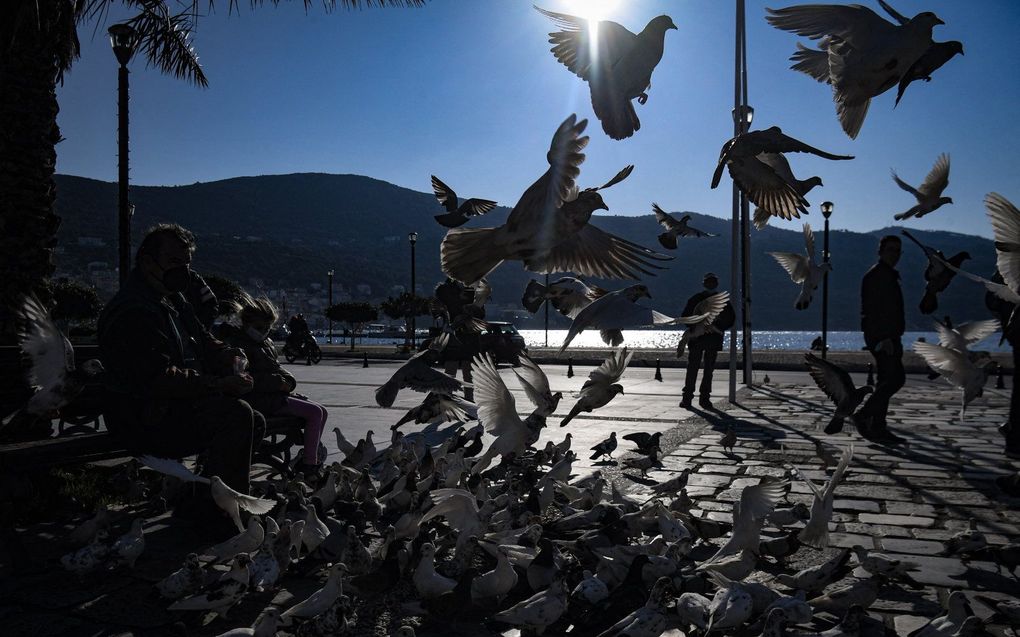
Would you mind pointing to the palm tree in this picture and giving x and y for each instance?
(38, 44)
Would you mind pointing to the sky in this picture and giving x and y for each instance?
(469, 91)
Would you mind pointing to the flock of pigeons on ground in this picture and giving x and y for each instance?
(497, 534)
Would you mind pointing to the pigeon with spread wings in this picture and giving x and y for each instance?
(764, 181)
(568, 295)
(803, 269)
(675, 228)
(602, 385)
(616, 63)
(457, 215)
(966, 370)
(439, 406)
(536, 386)
(497, 412)
(700, 322)
(929, 194)
(549, 230)
(839, 387)
(418, 374)
(816, 532)
(779, 164)
(936, 275)
(614, 312)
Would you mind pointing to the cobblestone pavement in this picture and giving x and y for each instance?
(905, 501)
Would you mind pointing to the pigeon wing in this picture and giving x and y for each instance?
(845, 22)
(954, 365)
(50, 353)
(573, 47)
(937, 179)
(809, 241)
(766, 189)
(1004, 292)
(761, 499)
(830, 378)
(593, 252)
(666, 220)
(837, 475)
(171, 468)
(795, 264)
(1005, 219)
(533, 379)
(457, 505)
(497, 409)
(446, 196)
(976, 331)
(423, 378)
(707, 310)
(612, 369)
(905, 186)
(475, 207)
(253, 505)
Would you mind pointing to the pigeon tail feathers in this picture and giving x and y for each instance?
(668, 240)
(851, 116)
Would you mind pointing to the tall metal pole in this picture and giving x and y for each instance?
(745, 222)
(734, 228)
(547, 313)
(413, 308)
(123, 205)
(329, 304)
(826, 212)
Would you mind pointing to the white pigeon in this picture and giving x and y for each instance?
(590, 590)
(52, 377)
(731, 605)
(784, 208)
(966, 370)
(866, 54)
(749, 513)
(319, 601)
(816, 532)
(265, 626)
(803, 269)
(539, 611)
(693, 608)
(247, 541)
(186, 580)
(602, 384)
(89, 557)
(226, 498)
(928, 194)
(700, 323)
(265, 568)
(427, 581)
(220, 596)
(962, 336)
(327, 492)
(548, 229)
(461, 511)
(315, 531)
(569, 295)
(882, 564)
(958, 609)
(614, 312)
(616, 63)
(418, 375)
(536, 386)
(497, 411)
(129, 547)
(495, 584)
(675, 228)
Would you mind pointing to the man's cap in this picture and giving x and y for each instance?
(709, 275)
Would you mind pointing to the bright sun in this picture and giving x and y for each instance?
(593, 9)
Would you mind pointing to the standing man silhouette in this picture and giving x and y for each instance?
(883, 324)
(705, 347)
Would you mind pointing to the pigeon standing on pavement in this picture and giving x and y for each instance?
(646, 442)
(605, 448)
(803, 269)
(936, 274)
(549, 230)
(602, 385)
(222, 594)
(839, 387)
(929, 194)
(865, 54)
(418, 374)
(613, 313)
(760, 181)
(778, 163)
(568, 295)
(674, 228)
(616, 63)
(457, 215)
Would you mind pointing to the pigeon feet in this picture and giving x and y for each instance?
(642, 98)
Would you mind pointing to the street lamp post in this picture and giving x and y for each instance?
(740, 250)
(547, 313)
(413, 238)
(123, 39)
(329, 304)
(826, 212)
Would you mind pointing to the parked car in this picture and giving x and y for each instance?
(503, 342)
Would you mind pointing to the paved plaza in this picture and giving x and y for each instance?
(905, 501)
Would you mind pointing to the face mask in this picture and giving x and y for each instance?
(176, 279)
(256, 335)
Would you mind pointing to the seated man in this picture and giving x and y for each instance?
(173, 390)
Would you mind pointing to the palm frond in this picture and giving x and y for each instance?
(165, 39)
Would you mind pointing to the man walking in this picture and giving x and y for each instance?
(883, 324)
(705, 347)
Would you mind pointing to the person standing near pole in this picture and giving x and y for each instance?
(883, 324)
(705, 347)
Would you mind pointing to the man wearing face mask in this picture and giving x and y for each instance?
(158, 403)
(705, 347)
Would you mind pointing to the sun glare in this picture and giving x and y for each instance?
(593, 9)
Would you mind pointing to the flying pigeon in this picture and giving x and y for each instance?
(418, 374)
(675, 228)
(226, 498)
(568, 295)
(749, 513)
(765, 185)
(781, 167)
(700, 323)
(549, 230)
(937, 55)
(536, 386)
(936, 275)
(497, 411)
(458, 215)
(839, 387)
(803, 269)
(438, 406)
(929, 194)
(816, 532)
(961, 337)
(614, 312)
(602, 385)
(616, 63)
(52, 377)
(964, 369)
(866, 54)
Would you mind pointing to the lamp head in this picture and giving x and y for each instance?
(123, 39)
(827, 209)
(412, 237)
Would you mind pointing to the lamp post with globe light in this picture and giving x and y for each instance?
(826, 212)
(123, 39)
(412, 237)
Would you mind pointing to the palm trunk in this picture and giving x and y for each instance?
(28, 137)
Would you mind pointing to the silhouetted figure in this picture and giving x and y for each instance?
(705, 347)
(1002, 310)
(816, 345)
(883, 324)
(462, 319)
